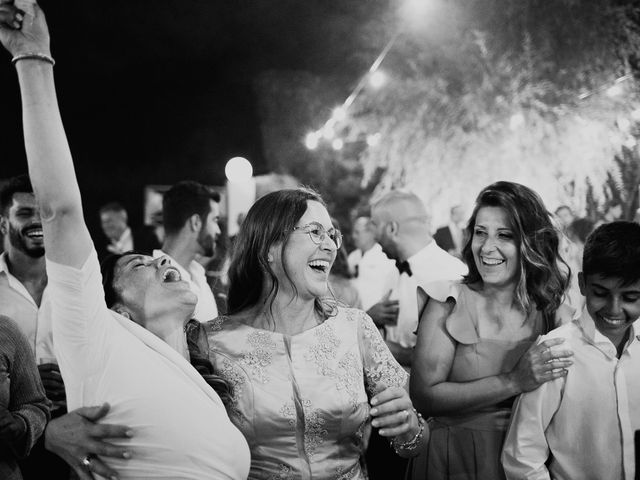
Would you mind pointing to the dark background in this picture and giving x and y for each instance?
(153, 92)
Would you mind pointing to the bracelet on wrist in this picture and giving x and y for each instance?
(415, 442)
(33, 56)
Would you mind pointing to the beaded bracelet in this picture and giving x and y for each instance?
(33, 56)
(412, 444)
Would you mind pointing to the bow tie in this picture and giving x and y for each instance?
(404, 267)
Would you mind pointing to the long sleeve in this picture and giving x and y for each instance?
(526, 449)
(381, 370)
(26, 397)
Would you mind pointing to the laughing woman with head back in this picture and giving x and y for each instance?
(306, 375)
(115, 351)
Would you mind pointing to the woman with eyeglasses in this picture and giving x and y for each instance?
(307, 375)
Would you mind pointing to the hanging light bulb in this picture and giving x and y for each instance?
(311, 140)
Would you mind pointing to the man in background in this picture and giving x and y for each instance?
(451, 236)
(375, 274)
(190, 214)
(122, 238)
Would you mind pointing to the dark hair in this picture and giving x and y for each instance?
(269, 221)
(198, 355)
(580, 229)
(17, 184)
(112, 207)
(613, 251)
(108, 271)
(541, 282)
(183, 200)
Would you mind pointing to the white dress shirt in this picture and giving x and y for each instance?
(206, 308)
(35, 322)
(180, 426)
(377, 274)
(580, 426)
(434, 271)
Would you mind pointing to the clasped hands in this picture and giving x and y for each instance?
(393, 414)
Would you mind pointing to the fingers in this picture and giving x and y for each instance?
(83, 473)
(106, 430)
(93, 414)
(100, 468)
(551, 342)
(106, 449)
(389, 393)
(550, 355)
(10, 16)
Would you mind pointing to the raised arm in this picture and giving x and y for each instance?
(66, 237)
(433, 394)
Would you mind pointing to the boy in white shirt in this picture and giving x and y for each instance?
(581, 426)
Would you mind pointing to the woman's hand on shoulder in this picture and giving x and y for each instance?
(23, 28)
(539, 364)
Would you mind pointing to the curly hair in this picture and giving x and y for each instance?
(542, 282)
(269, 221)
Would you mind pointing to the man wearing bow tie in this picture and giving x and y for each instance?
(402, 229)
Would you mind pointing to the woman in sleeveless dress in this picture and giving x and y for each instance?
(477, 351)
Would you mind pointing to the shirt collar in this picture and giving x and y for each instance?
(3, 263)
(426, 251)
(377, 248)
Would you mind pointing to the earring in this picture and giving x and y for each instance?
(124, 314)
(270, 258)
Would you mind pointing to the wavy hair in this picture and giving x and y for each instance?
(269, 221)
(541, 283)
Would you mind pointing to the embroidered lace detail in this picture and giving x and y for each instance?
(216, 324)
(383, 370)
(236, 379)
(314, 431)
(285, 473)
(261, 355)
(289, 411)
(350, 474)
(324, 350)
(349, 377)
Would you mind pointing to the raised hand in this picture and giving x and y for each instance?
(80, 441)
(540, 364)
(23, 28)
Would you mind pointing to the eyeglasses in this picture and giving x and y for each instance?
(317, 233)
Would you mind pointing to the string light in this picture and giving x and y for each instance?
(611, 90)
(375, 78)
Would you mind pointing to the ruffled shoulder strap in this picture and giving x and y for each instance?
(461, 323)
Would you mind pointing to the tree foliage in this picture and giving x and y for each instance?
(478, 92)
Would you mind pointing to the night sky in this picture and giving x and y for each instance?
(152, 92)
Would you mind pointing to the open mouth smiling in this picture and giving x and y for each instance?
(171, 275)
(33, 232)
(321, 266)
(492, 262)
